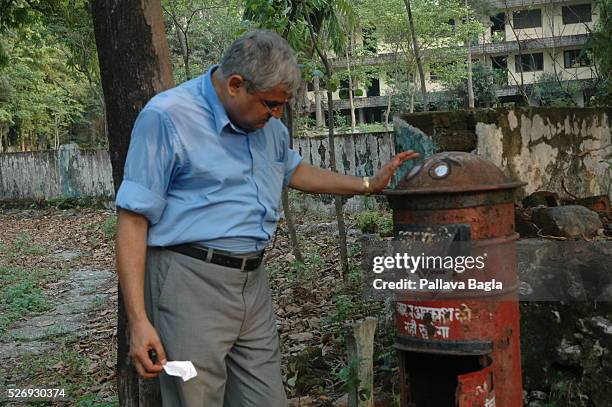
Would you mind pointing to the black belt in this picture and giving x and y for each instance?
(214, 256)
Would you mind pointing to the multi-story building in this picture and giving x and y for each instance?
(525, 39)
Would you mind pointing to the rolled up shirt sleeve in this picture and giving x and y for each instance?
(152, 162)
(291, 158)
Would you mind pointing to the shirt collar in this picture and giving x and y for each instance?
(219, 113)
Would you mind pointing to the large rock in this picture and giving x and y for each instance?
(573, 221)
(565, 352)
(566, 322)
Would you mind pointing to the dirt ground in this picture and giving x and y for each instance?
(59, 308)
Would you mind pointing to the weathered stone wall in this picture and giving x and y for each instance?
(73, 172)
(541, 146)
(356, 154)
(68, 172)
(550, 148)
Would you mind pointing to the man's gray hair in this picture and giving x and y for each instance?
(264, 59)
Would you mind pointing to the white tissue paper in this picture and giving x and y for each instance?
(185, 370)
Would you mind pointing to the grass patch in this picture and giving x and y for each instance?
(109, 227)
(23, 245)
(375, 222)
(67, 369)
(21, 293)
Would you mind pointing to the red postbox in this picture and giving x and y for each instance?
(463, 350)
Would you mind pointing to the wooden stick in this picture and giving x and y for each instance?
(360, 348)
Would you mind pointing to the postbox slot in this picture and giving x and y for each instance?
(459, 232)
(438, 380)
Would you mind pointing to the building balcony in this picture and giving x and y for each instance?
(510, 47)
(492, 48)
(510, 4)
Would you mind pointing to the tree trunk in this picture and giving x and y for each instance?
(470, 86)
(388, 110)
(134, 66)
(412, 87)
(295, 246)
(337, 198)
(417, 55)
(350, 90)
(318, 110)
(332, 153)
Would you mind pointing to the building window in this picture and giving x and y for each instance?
(575, 58)
(433, 76)
(374, 88)
(577, 13)
(499, 62)
(498, 22)
(527, 18)
(529, 62)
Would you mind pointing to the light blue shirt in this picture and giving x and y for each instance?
(198, 178)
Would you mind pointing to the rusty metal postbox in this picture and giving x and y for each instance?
(461, 351)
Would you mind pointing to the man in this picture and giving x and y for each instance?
(198, 204)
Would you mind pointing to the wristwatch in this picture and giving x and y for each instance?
(366, 186)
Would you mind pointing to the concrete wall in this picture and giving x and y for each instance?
(87, 173)
(69, 172)
(541, 146)
(356, 154)
(547, 146)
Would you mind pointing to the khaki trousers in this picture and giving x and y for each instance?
(221, 319)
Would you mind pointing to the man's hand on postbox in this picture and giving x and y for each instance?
(144, 340)
(382, 178)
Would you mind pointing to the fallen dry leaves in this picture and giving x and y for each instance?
(303, 295)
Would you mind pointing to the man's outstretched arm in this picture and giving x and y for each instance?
(313, 179)
(131, 248)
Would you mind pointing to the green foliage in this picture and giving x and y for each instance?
(484, 80)
(349, 376)
(49, 87)
(109, 227)
(15, 14)
(375, 222)
(601, 43)
(23, 245)
(199, 32)
(92, 400)
(439, 42)
(63, 202)
(550, 91)
(346, 307)
(20, 295)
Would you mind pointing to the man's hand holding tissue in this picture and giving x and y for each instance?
(131, 253)
(144, 337)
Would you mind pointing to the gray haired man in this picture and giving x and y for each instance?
(198, 205)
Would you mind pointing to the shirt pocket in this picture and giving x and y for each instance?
(270, 177)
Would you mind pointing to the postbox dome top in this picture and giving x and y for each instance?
(453, 172)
